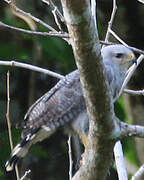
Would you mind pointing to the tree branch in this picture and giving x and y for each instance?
(29, 21)
(139, 173)
(111, 20)
(31, 16)
(130, 130)
(25, 174)
(56, 13)
(133, 92)
(131, 72)
(120, 163)
(70, 158)
(8, 121)
(31, 67)
(60, 35)
(86, 48)
(142, 1)
(93, 10)
(118, 38)
(52, 5)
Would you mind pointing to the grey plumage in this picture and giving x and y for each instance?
(58, 106)
(64, 104)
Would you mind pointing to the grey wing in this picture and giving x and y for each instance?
(60, 105)
(63, 103)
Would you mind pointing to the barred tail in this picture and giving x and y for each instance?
(20, 151)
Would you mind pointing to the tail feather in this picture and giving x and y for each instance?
(20, 151)
(10, 164)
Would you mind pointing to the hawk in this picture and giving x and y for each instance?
(64, 105)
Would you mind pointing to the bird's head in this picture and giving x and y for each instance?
(119, 54)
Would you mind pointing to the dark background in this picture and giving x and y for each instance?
(49, 160)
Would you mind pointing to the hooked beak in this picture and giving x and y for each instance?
(134, 60)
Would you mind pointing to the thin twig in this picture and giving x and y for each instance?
(56, 13)
(130, 130)
(30, 22)
(31, 67)
(70, 158)
(8, 121)
(60, 35)
(56, 19)
(26, 174)
(93, 9)
(118, 38)
(139, 173)
(31, 16)
(130, 73)
(142, 1)
(133, 92)
(7, 114)
(53, 6)
(111, 20)
(120, 163)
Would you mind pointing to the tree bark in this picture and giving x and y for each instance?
(103, 130)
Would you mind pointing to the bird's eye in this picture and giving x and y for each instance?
(119, 55)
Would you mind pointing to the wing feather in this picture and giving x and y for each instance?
(58, 106)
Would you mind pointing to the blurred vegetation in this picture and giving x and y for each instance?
(49, 159)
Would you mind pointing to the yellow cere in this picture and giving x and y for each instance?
(131, 56)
